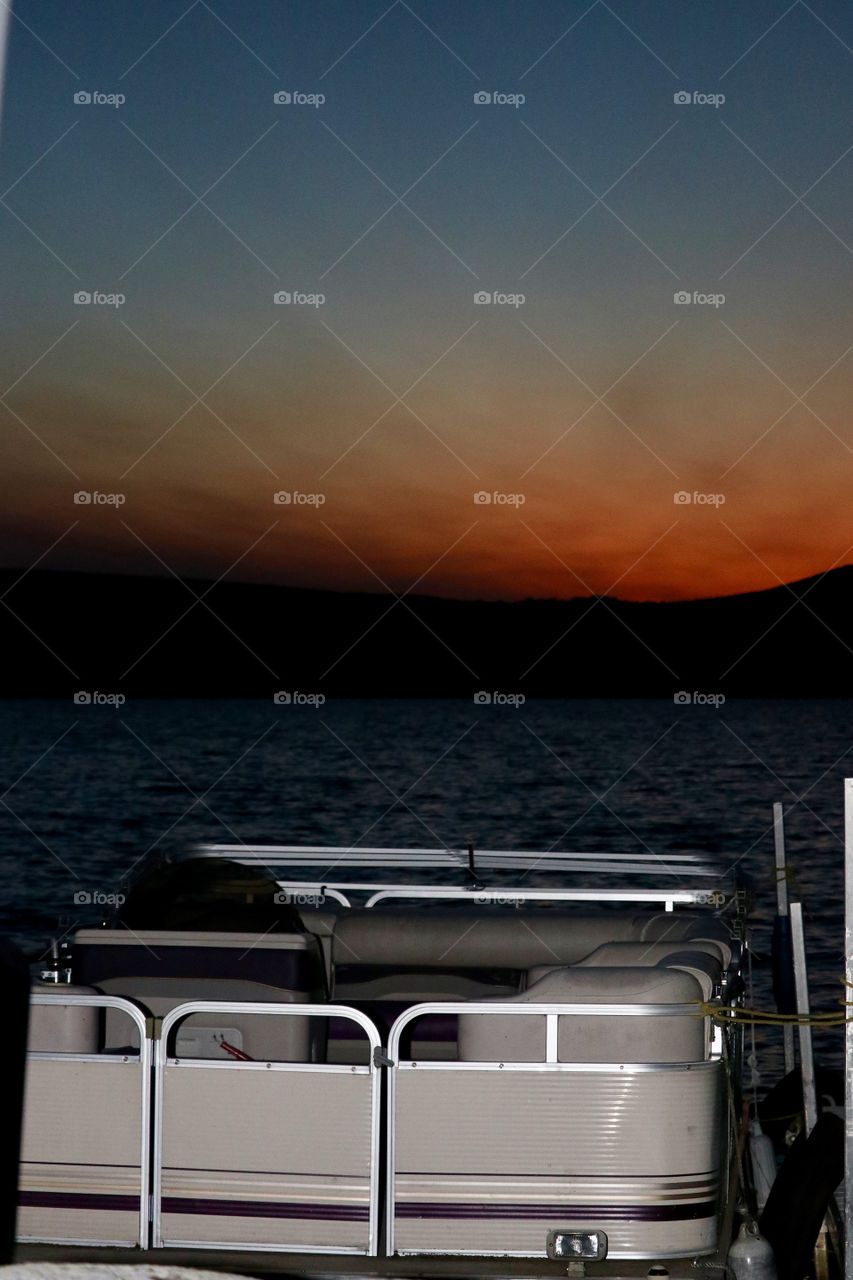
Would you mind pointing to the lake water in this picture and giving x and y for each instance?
(91, 789)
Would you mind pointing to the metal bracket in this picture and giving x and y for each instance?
(380, 1057)
(473, 875)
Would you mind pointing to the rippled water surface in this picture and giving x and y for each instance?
(92, 789)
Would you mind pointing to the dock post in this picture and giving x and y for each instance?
(801, 981)
(15, 978)
(782, 912)
(848, 1028)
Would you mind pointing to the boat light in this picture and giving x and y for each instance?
(577, 1244)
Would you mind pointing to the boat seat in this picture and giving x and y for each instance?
(58, 1028)
(703, 959)
(162, 969)
(492, 938)
(688, 926)
(596, 1038)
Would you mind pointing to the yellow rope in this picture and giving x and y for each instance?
(740, 1016)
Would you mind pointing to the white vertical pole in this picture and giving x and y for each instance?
(801, 982)
(5, 21)
(782, 910)
(848, 1029)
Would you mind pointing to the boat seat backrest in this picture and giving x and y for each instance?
(701, 958)
(690, 927)
(645, 1038)
(497, 937)
(162, 969)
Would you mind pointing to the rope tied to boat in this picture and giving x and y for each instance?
(733, 1015)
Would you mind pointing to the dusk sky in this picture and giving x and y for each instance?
(581, 411)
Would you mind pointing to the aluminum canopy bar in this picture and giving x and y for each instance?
(341, 857)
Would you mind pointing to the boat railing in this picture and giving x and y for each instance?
(306, 893)
(483, 1157)
(266, 1155)
(284, 1155)
(84, 1180)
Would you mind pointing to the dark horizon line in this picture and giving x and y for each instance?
(201, 581)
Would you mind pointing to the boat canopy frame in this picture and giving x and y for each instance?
(339, 863)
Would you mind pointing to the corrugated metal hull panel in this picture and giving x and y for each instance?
(80, 1177)
(492, 1161)
(266, 1158)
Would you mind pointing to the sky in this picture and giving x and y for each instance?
(582, 431)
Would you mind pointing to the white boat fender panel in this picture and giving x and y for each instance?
(762, 1161)
(751, 1257)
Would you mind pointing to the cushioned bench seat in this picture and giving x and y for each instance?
(702, 959)
(165, 968)
(595, 1038)
(501, 937)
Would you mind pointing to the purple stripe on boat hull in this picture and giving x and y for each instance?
(77, 1200)
(560, 1214)
(265, 1209)
(191, 1205)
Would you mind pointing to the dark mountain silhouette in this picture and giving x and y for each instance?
(65, 632)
